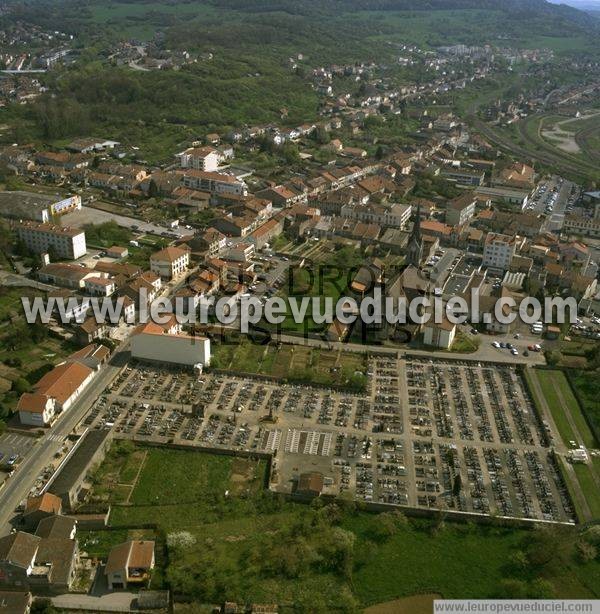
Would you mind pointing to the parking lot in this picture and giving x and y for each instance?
(14, 447)
(453, 435)
(554, 198)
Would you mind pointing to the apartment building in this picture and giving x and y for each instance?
(170, 262)
(585, 226)
(461, 209)
(200, 158)
(393, 216)
(464, 176)
(40, 238)
(498, 251)
(214, 183)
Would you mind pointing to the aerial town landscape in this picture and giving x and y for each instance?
(201, 203)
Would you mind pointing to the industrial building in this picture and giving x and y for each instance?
(150, 342)
(38, 207)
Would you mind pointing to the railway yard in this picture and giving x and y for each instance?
(447, 435)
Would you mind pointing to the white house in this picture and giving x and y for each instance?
(36, 409)
(440, 335)
(100, 286)
(170, 262)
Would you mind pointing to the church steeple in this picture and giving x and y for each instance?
(414, 250)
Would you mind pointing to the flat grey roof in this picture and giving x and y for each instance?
(78, 463)
(22, 204)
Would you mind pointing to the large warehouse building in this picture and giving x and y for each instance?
(38, 207)
(151, 342)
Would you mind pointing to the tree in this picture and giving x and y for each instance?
(321, 136)
(457, 486)
(511, 588)
(540, 589)
(553, 357)
(153, 190)
(586, 552)
(43, 606)
(385, 527)
(21, 385)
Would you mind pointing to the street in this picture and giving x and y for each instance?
(18, 486)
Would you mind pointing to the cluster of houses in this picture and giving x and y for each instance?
(42, 556)
(369, 201)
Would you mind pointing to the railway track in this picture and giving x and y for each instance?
(544, 157)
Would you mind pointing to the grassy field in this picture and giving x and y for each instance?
(464, 344)
(470, 26)
(106, 235)
(292, 363)
(561, 399)
(251, 546)
(589, 487)
(587, 385)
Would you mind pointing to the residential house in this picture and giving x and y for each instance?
(100, 286)
(439, 335)
(17, 559)
(36, 409)
(117, 252)
(41, 507)
(281, 196)
(90, 330)
(130, 564)
(265, 234)
(170, 262)
(65, 275)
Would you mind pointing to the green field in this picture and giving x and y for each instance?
(292, 363)
(251, 546)
(589, 486)
(561, 399)
(587, 385)
(106, 235)
(471, 26)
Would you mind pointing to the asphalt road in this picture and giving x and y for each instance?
(18, 486)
